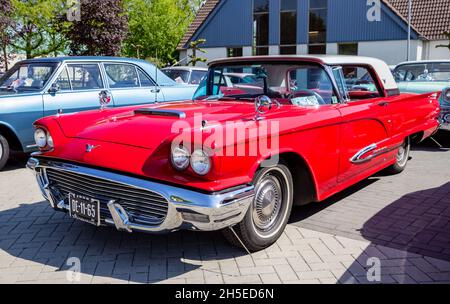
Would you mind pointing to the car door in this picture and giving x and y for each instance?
(365, 129)
(130, 85)
(76, 88)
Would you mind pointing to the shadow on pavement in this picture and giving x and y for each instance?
(36, 233)
(416, 225)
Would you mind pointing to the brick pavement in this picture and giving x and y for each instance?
(333, 242)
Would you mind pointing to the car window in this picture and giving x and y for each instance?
(122, 76)
(360, 83)
(27, 77)
(180, 76)
(85, 76)
(311, 86)
(63, 80)
(420, 72)
(145, 80)
(197, 76)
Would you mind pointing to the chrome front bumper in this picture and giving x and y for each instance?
(187, 209)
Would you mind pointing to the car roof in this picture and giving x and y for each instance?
(380, 67)
(186, 68)
(423, 62)
(84, 58)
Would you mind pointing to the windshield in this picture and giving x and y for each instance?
(435, 71)
(27, 77)
(299, 84)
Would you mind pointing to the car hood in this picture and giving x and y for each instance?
(131, 127)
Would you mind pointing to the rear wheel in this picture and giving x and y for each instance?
(269, 212)
(4, 151)
(402, 158)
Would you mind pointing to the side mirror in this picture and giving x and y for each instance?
(54, 88)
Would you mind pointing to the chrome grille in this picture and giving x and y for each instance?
(142, 206)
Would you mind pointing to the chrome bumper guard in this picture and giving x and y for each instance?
(187, 209)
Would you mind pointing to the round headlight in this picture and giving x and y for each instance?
(40, 137)
(50, 141)
(180, 158)
(200, 162)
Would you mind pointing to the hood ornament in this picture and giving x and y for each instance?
(263, 104)
(90, 147)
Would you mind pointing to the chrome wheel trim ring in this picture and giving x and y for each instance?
(267, 203)
(1, 150)
(284, 208)
(402, 155)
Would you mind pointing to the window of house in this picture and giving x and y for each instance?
(261, 27)
(348, 48)
(288, 27)
(234, 52)
(318, 10)
(85, 76)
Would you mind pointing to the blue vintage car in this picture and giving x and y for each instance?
(41, 87)
(424, 77)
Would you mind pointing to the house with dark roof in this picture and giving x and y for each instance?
(377, 28)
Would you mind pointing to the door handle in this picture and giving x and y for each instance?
(155, 90)
(383, 104)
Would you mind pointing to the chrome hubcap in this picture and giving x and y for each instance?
(1, 151)
(267, 203)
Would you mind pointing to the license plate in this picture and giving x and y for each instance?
(84, 208)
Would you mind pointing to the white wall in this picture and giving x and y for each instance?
(432, 53)
(211, 54)
(274, 50)
(393, 51)
(302, 49)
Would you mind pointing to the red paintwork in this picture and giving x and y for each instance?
(325, 137)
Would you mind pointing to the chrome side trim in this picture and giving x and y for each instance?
(359, 158)
(187, 209)
(363, 155)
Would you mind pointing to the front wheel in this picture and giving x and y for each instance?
(269, 212)
(401, 158)
(4, 151)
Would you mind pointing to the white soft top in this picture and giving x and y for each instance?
(381, 68)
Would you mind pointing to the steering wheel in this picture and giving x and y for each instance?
(306, 93)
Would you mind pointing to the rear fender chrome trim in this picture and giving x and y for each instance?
(362, 157)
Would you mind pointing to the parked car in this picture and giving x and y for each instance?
(214, 172)
(36, 88)
(427, 76)
(186, 74)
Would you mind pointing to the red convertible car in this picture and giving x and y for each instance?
(233, 160)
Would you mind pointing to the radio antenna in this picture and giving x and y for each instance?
(156, 78)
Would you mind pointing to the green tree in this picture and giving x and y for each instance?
(157, 26)
(5, 31)
(195, 47)
(101, 29)
(39, 27)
